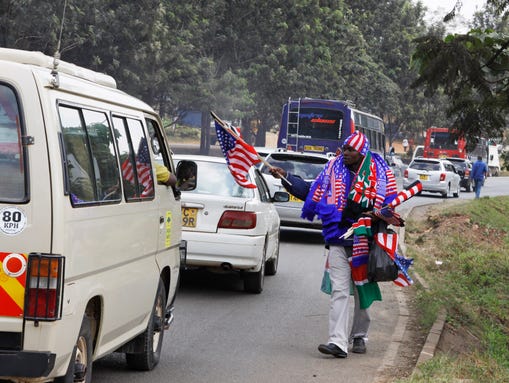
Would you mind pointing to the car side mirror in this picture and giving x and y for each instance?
(281, 196)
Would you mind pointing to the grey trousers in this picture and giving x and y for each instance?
(341, 276)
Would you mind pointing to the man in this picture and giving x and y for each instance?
(478, 174)
(349, 188)
(164, 176)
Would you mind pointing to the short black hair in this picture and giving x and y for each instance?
(479, 158)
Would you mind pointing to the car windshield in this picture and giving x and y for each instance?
(459, 164)
(421, 165)
(215, 178)
(307, 168)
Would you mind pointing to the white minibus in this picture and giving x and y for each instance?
(90, 242)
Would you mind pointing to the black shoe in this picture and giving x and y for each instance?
(359, 347)
(332, 349)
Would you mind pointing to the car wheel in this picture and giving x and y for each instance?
(80, 367)
(151, 340)
(468, 188)
(253, 281)
(445, 194)
(456, 194)
(271, 264)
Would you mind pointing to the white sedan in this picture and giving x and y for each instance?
(436, 175)
(226, 226)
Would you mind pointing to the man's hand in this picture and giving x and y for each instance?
(277, 172)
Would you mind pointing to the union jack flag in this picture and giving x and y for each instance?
(143, 169)
(239, 155)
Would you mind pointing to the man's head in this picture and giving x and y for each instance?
(479, 158)
(355, 148)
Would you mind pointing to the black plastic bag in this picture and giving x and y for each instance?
(381, 267)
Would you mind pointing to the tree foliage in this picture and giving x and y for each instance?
(472, 70)
(241, 59)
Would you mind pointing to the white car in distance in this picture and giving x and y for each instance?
(436, 175)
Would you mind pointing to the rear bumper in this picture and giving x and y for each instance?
(442, 187)
(213, 250)
(290, 216)
(26, 364)
(465, 182)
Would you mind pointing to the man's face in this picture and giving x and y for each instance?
(351, 156)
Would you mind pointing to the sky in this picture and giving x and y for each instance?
(437, 9)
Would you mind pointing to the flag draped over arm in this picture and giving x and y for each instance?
(239, 155)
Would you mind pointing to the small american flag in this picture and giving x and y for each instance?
(239, 155)
(143, 169)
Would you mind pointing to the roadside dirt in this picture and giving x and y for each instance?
(452, 340)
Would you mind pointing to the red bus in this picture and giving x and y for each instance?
(444, 142)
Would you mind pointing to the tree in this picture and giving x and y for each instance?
(473, 71)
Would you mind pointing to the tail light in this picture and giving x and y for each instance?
(442, 177)
(237, 220)
(405, 173)
(43, 293)
(467, 173)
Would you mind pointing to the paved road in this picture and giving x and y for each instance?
(222, 334)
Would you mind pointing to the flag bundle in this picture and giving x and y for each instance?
(143, 169)
(239, 155)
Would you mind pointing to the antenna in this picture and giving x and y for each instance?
(56, 58)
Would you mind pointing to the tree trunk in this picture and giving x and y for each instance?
(205, 133)
(260, 134)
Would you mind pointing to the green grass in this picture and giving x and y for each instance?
(462, 252)
(182, 134)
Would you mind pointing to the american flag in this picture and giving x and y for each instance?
(239, 155)
(143, 169)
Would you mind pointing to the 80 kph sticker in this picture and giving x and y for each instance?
(12, 220)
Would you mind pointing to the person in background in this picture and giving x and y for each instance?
(164, 176)
(478, 175)
(347, 190)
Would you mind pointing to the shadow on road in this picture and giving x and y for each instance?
(297, 235)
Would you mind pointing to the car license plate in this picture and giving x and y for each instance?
(189, 216)
(423, 177)
(313, 148)
(294, 199)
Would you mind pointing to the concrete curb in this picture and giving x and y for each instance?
(430, 345)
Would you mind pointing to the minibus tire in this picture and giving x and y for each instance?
(82, 352)
(152, 337)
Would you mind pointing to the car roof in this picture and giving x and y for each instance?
(432, 160)
(289, 154)
(456, 159)
(423, 159)
(198, 157)
(264, 149)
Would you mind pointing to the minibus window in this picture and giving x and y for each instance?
(12, 162)
(91, 161)
(135, 159)
(79, 163)
(103, 154)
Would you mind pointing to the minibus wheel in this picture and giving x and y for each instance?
(80, 367)
(152, 338)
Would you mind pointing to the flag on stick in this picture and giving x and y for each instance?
(405, 194)
(239, 155)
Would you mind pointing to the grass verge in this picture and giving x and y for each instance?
(461, 251)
